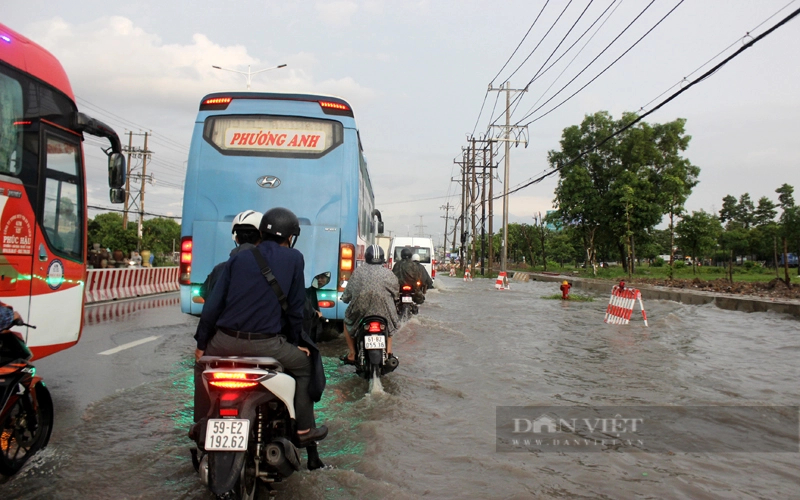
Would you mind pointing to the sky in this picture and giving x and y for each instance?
(417, 74)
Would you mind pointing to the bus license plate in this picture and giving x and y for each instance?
(227, 434)
(374, 342)
(407, 300)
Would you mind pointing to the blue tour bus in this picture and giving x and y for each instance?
(263, 150)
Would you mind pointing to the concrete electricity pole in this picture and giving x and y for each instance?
(446, 209)
(141, 193)
(507, 139)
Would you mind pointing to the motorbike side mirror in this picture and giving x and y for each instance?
(321, 280)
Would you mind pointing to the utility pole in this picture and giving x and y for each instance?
(141, 194)
(473, 199)
(128, 181)
(446, 209)
(483, 213)
(463, 207)
(135, 200)
(421, 226)
(507, 139)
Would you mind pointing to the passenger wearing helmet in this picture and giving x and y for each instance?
(408, 273)
(243, 317)
(427, 282)
(245, 234)
(371, 290)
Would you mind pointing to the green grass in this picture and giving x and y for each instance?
(705, 273)
(573, 297)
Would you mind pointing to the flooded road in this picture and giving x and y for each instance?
(431, 432)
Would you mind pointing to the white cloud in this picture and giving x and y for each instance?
(339, 12)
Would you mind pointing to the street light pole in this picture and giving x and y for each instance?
(249, 74)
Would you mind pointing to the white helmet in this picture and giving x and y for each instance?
(415, 257)
(246, 218)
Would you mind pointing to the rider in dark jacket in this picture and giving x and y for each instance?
(408, 272)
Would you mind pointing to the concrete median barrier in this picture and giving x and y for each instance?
(743, 303)
(112, 284)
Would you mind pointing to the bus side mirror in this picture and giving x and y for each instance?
(116, 172)
(116, 195)
(380, 227)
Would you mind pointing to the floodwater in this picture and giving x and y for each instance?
(429, 432)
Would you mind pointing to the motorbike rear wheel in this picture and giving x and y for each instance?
(249, 486)
(25, 430)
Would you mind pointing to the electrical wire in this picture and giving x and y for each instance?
(106, 209)
(595, 59)
(699, 79)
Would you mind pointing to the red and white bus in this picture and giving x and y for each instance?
(43, 193)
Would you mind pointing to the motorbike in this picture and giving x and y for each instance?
(26, 408)
(406, 307)
(248, 441)
(372, 360)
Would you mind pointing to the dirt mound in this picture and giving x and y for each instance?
(775, 289)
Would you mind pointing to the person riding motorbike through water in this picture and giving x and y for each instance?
(408, 273)
(7, 316)
(427, 282)
(371, 291)
(243, 317)
(245, 234)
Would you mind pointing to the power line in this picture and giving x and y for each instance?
(663, 103)
(595, 59)
(94, 207)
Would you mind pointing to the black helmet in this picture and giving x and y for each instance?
(374, 255)
(280, 222)
(406, 253)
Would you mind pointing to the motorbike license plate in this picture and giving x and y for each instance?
(374, 342)
(407, 300)
(227, 434)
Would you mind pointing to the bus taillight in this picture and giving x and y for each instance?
(215, 103)
(347, 252)
(186, 261)
(335, 108)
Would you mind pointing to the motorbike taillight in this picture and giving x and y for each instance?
(375, 327)
(406, 288)
(232, 380)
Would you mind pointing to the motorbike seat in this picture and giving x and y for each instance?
(265, 362)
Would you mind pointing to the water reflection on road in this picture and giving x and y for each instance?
(432, 433)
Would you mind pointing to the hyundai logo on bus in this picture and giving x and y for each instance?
(268, 181)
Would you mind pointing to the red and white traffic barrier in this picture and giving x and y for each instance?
(621, 304)
(502, 281)
(112, 284)
(467, 274)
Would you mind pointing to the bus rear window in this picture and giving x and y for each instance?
(272, 135)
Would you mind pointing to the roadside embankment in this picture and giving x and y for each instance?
(729, 302)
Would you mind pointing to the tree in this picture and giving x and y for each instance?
(674, 176)
(698, 233)
(106, 229)
(765, 212)
(160, 235)
(745, 211)
(616, 192)
(734, 240)
(728, 210)
(789, 225)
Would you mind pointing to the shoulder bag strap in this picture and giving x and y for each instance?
(273, 282)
